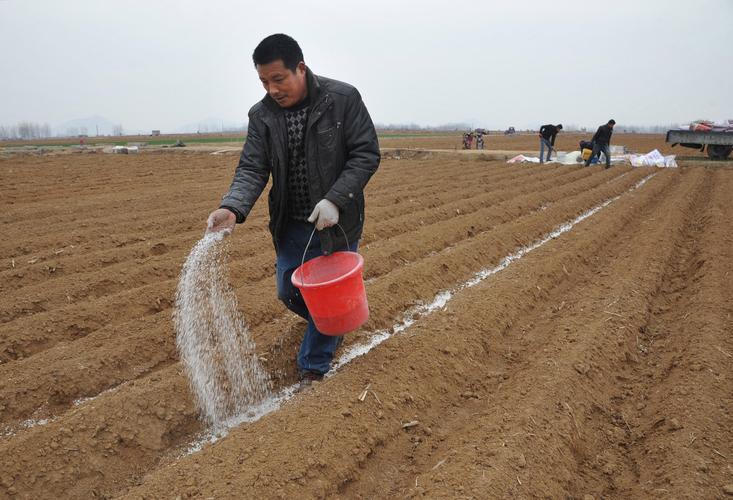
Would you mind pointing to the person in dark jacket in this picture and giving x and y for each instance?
(602, 143)
(547, 138)
(479, 139)
(315, 138)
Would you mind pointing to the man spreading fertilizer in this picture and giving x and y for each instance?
(315, 137)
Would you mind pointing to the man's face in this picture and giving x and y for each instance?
(611, 125)
(287, 87)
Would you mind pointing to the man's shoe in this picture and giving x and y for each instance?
(307, 379)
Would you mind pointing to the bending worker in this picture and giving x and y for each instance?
(547, 138)
(315, 137)
(602, 142)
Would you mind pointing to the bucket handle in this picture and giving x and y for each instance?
(302, 260)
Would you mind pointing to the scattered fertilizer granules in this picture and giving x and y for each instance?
(213, 339)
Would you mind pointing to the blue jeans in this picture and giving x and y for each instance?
(597, 150)
(316, 349)
(544, 142)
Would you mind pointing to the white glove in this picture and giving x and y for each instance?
(324, 215)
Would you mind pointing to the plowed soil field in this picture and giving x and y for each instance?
(535, 331)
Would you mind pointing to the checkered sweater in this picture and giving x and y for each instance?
(299, 202)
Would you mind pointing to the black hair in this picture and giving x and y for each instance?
(612, 122)
(278, 46)
(559, 126)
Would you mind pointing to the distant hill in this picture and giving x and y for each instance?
(91, 125)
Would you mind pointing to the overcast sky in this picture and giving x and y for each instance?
(161, 64)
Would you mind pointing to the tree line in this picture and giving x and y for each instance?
(31, 130)
(26, 130)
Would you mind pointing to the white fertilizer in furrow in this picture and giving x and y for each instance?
(441, 299)
(213, 339)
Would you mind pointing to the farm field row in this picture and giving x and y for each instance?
(585, 367)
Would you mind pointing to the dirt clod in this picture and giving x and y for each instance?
(675, 424)
(581, 367)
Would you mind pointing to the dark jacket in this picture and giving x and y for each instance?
(603, 135)
(549, 132)
(342, 153)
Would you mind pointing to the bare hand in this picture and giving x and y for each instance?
(221, 219)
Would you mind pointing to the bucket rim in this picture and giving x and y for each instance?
(300, 284)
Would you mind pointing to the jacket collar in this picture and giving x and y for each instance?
(314, 86)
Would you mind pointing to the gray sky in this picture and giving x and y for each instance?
(162, 64)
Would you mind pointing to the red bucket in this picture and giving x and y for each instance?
(333, 289)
